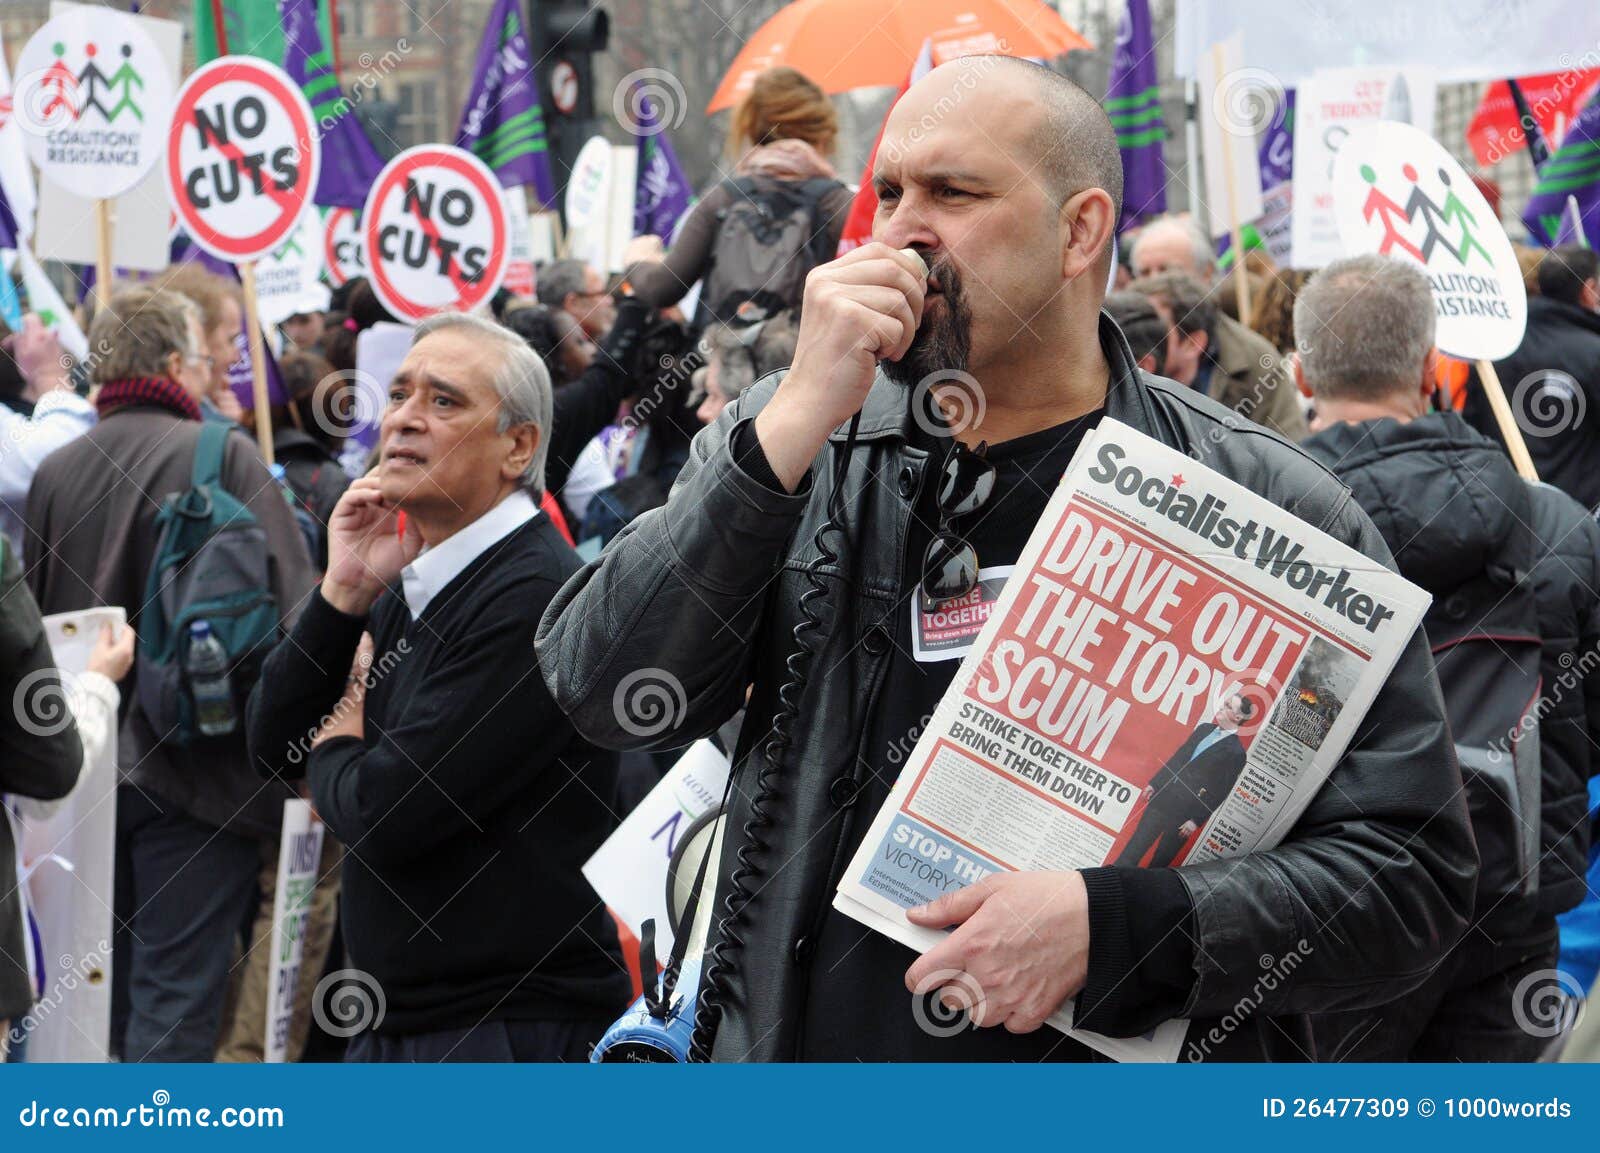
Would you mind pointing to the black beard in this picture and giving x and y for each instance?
(943, 341)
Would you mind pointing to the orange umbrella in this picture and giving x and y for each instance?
(846, 44)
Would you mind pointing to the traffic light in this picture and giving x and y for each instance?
(565, 37)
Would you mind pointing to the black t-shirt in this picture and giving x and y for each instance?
(858, 1005)
(1140, 968)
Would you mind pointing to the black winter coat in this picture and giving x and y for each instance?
(1447, 501)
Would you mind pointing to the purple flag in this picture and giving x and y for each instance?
(1133, 101)
(1277, 146)
(502, 123)
(1574, 171)
(663, 192)
(8, 222)
(350, 164)
(239, 375)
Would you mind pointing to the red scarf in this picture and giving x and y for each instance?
(147, 391)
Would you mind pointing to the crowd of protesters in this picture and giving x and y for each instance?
(590, 481)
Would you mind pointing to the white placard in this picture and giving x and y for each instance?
(1327, 107)
(619, 217)
(1230, 101)
(299, 861)
(65, 228)
(1398, 193)
(629, 871)
(588, 203)
(71, 861)
(379, 351)
(437, 238)
(1481, 40)
(242, 157)
(288, 279)
(519, 267)
(93, 94)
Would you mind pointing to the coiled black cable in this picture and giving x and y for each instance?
(721, 955)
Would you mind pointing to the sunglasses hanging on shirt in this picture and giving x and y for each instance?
(950, 566)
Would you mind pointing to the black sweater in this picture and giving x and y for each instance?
(469, 806)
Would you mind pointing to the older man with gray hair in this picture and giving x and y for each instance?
(1464, 526)
(1233, 365)
(466, 801)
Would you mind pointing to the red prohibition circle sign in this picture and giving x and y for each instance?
(331, 260)
(279, 90)
(468, 167)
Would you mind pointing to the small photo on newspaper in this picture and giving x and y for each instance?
(1173, 668)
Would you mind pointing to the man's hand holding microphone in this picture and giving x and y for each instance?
(858, 310)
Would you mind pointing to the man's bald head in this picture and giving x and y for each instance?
(1077, 146)
(1068, 139)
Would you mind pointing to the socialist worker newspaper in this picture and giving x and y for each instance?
(1172, 670)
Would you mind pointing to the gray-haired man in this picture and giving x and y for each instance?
(464, 798)
(1464, 526)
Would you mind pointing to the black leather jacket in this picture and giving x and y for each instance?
(1374, 883)
(1450, 500)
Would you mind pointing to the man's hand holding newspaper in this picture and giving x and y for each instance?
(1022, 944)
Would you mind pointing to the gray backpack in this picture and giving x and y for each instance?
(769, 237)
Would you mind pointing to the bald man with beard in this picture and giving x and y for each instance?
(1003, 180)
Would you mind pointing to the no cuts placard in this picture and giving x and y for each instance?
(435, 232)
(341, 246)
(242, 157)
(92, 96)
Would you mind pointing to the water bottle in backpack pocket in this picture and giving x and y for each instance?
(205, 669)
(209, 615)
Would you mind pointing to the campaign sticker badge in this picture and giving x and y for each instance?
(948, 632)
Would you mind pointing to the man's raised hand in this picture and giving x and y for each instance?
(858, 310)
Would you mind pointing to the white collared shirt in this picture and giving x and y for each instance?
(436, 566)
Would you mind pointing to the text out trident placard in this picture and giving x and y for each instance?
(242, 157)
(1398, 193)
(92, 96)
(435, 232)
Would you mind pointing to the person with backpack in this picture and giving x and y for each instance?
(179, 521)
(755, 235)
(306, 438)
(1513, 568)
